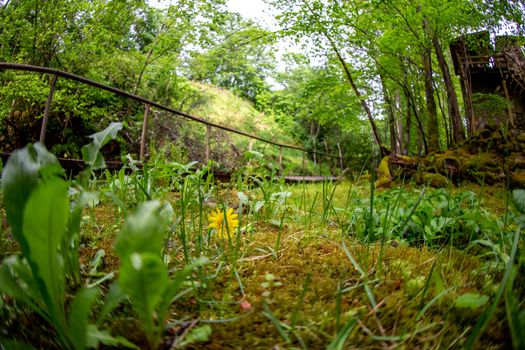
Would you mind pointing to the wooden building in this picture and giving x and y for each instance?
(492, 79)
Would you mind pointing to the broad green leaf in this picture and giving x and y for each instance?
(19, 269)
(166, 213)
(519, 199)
(12, 272)
(79, 316)
(144, 278)
(471, 300)
(10, 286)
(71, 240)
(20, 176)
(196, 335)
(258, 206)
(489, 311)
(95, 336)
(142, 232)
(90, 152)
(45, 220)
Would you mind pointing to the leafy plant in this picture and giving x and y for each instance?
(143, 275)
(38, 211)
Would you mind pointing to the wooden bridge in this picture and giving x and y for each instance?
(148, 105)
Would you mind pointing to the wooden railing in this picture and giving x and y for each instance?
(148, 104)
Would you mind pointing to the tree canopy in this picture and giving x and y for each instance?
(371, 67)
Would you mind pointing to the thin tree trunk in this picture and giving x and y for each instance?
(458, 131)
(441, 105)
(432, 122)
(142, 70)
(399, 122)
(375, 131)
(421, 131)
(391, 118)
(384, 150)
(408, 125)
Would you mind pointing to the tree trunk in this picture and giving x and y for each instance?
(391, 118)
(414, 107)
(399, 121)
(467, 91)
(458, 131)
(441, 105)
(349, 77)
(408, 125)
(432, 121)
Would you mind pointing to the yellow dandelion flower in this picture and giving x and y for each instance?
(225, 226)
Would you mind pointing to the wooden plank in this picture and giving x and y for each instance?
(293, 179)
(47, 109)
(144, 132)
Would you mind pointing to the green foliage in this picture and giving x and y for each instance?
(20, 176)
(91, 153)
(490, 106)
(143, 275)
(239, 56)
(471, 301)
(435, 218)
(38, 210)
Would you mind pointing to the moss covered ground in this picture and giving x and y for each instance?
(321, 276)
(310, 268)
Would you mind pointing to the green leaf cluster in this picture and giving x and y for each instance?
(143, 274)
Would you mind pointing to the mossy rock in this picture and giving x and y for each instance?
(407, 174)
(403, 166)
(383, 182)
(384, 177)
(383, 169)
(433, 180)
(488, 139)
(484, 168)
(484, 162)
(448, 164)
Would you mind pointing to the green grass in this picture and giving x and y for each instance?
(309, 266)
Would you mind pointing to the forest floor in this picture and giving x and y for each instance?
(310, 268)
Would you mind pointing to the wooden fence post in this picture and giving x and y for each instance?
(304, 163)
(47, 109)
(320, 161)
(280, 160)
(340, 157)
(208, 137)
(144, 132)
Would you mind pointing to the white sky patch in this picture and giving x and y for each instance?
(260, 13)
(255, 10)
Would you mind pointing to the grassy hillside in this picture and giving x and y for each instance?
(184, 140)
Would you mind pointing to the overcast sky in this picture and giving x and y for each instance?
(256, 10)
